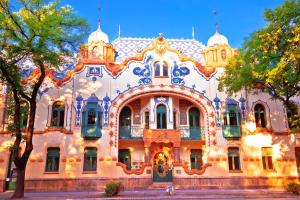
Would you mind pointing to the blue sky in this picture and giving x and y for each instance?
(175, 18)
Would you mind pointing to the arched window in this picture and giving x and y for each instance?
(165, 69)
(194, 122)
(260, 116)
(125, 123)
(223, 54)
(156, 69)
(161, 111)
(24, 114)
(58, 114)
(91, 119)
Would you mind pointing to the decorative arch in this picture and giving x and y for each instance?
(267, 110)
(202, 103)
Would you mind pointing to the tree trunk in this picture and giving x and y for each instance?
(19, 192)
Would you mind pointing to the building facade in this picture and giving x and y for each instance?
(142, 111)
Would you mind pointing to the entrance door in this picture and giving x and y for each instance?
(125, 123)
(125, 158)
(297, 152)
(161, 170)
(194, 122)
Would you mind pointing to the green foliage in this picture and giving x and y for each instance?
(41, 30)
(294, 122)
(294, 187)
(112, 188)
(270, 57)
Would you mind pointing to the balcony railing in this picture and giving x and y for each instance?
(231, 132)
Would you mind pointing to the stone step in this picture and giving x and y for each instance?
(159, 185)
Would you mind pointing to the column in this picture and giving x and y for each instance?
(176, 154)
(147, 155)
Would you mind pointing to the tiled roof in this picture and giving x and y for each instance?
(128, 47)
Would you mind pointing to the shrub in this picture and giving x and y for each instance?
(294, 188)
(112, 188)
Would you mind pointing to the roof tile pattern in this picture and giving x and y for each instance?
(128, 47)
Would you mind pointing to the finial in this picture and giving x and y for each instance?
(215, 16)
(119, 33)
(99, 9)
(193, 33)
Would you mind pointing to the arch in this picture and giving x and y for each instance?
(161, 116)
(260, 116)
(125, 122)
(156, 69)
(197, 98)
(165, 71)
(58, 114)
(267, 112)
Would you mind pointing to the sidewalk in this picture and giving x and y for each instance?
(262, 194)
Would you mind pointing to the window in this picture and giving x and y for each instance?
(260, 116)
(91, 125)
(161, 116)
(52, 161)
(24, 114)
(233, 158)
(165, 69)
(196, 159)
(58, 114)
(147, 117)
(231, 116)
(194, 122)
(174, 120)
(223, 54)
(90, 159)
(157, 69)
(267, 158)
(125, 122)
(125, 158)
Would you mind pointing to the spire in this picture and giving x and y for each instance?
(99, 9)
(119, 33)
(193, 33)
(214, 12)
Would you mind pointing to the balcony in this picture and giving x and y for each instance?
(231, 132)
(91, 132)
(188, 133)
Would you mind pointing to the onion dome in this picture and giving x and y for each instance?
(98, 35)
(216, 39)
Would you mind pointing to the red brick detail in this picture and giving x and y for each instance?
(183, 106)
(136, 109)
(133, 171)
(193, 171)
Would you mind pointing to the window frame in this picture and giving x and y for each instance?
(267, 158)
(54, 167)
(59, 108)
(233, 154)
(90, 157)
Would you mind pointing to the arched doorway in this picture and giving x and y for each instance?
(162, 172)
(194, 122)
(161, 112)
(125, 122)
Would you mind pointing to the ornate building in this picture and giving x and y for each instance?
(142, 111)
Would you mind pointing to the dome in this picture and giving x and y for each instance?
(217, 38)
(98, 35)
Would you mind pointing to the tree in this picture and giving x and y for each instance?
(46, 33)
(270, 58)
